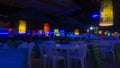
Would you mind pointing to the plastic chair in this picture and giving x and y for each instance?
(54, 55)
(79, 54)
(29, 46)
(107, 46)
(48, 51)
(76, 42)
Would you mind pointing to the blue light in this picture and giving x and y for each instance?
(4, 33)
(95, 15)
(28, 32)
(36, 33)
(62, 33)
(51, 33)
(62, 30)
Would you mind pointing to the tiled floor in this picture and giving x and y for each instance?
(108, 63)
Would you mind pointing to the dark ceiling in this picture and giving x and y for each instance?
(65, 14)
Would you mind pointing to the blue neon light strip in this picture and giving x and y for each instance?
(4, 33)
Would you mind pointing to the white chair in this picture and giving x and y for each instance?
(107, 46)
(43, 56)
(51, 42)
(29, 46)
(45, 51)
(56, 56)
(48, 53)
(79, 54)
(76, 42)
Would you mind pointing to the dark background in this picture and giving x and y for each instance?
(63, 14)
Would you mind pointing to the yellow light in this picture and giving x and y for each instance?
(100, 32)
(22, 26)
(106, 13)
(76, 32)
(106, 24)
